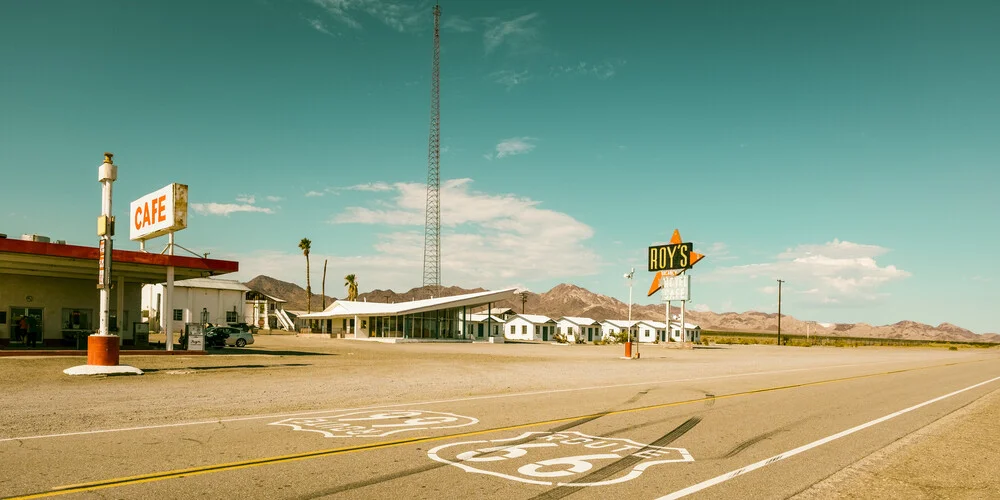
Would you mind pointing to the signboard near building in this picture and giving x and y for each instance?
(161, 212)
(676, 288)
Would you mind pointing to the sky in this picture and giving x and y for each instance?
(848, 148)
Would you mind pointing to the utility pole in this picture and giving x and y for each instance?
(524, 298)
(629, 275)
(779, 310)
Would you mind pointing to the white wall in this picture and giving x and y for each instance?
(534, 332)
(193, 300)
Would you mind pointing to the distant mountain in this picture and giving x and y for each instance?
(294, 294)
(572, 300)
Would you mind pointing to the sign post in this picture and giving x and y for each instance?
(670, 262)
(161, 212)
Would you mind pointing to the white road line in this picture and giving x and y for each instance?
(439, 401)
(754, 466)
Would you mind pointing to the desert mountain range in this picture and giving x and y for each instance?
(571, 300)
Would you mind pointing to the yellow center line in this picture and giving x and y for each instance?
(206, 469)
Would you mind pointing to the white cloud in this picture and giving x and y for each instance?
(456, 23)
(246, 198)
(515, 146)
(515, 31)
(509, 78)
(602, 71)
(318, 26)
(371, 186)
(699, 307)
(227, 208)
(487, 239)
(312, 194)
(273, 199)
(838, 272)
(400, 16)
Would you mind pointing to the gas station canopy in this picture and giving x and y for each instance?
(32, 258)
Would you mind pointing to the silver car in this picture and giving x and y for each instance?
(238, 338)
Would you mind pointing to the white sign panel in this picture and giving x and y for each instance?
(557, 458)
(160, 212)
(676, 288)
(376, 423)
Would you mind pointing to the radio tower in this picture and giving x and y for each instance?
(432, 228)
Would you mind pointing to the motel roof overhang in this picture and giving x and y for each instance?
(349, 309)
(31, 258)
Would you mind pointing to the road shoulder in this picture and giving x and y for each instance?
(954, 457)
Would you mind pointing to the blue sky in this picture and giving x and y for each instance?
(850, 148)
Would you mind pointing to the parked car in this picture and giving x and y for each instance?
(216, 336)
(239, 339)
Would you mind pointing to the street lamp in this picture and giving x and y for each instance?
(779, 310)
(629, 276)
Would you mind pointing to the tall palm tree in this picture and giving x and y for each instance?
(305, 245)
(351, 282)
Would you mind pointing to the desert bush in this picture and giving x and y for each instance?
(952, 348)
(559, 337)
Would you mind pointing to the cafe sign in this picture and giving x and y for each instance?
(161, 212)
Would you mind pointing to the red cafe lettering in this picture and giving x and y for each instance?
(150, 212)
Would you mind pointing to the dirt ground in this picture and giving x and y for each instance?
(287, 374)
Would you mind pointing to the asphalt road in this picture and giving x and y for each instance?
(749, 436)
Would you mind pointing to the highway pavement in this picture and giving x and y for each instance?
(751, 435)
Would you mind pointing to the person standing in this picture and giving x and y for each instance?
(22, 330)
(33, 332)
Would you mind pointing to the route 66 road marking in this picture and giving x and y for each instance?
(547, 458)
(376, 423)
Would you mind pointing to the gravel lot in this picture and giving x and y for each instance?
(286, 374)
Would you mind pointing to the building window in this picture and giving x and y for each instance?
(178, 314)
(230, 316)
(524, 329)
(512, 329)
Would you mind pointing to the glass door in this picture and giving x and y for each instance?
(26, 326)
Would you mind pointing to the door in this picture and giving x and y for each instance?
(545, 334)
(481, 326)
(33, 321)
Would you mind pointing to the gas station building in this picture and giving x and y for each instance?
(54, 286)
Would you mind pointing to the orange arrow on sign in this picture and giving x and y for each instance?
(657, 284)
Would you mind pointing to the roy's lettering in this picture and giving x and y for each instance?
(670, 257)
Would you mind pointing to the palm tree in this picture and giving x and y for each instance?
(351, 283)
(305, 244)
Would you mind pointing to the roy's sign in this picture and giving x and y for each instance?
(160, 212)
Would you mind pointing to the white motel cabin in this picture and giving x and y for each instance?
(484, 328)
(575, 327)
(613, 326)
(529, 327)
(427, 320)
(197, 300)
(651, 331)
(692, 332)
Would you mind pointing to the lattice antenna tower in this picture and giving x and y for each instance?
(432, 227)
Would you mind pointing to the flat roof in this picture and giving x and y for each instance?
(346, 309)
(56, 260)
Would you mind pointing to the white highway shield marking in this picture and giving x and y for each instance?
(376, 423)
(554, 458)
(819, 442)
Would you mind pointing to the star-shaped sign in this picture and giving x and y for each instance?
(693, 257)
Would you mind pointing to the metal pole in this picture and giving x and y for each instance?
(683, 324)
(779, 310)
(107, 173)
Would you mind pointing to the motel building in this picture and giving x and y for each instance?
(530, 327)
(484, 327)
(692, 332)
(610, 327)
(54, 286)
(264, 311)
(651, 331)
(427, 320)
(196, 300)
(571, 326)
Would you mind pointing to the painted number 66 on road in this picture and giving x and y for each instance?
(560, 459)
